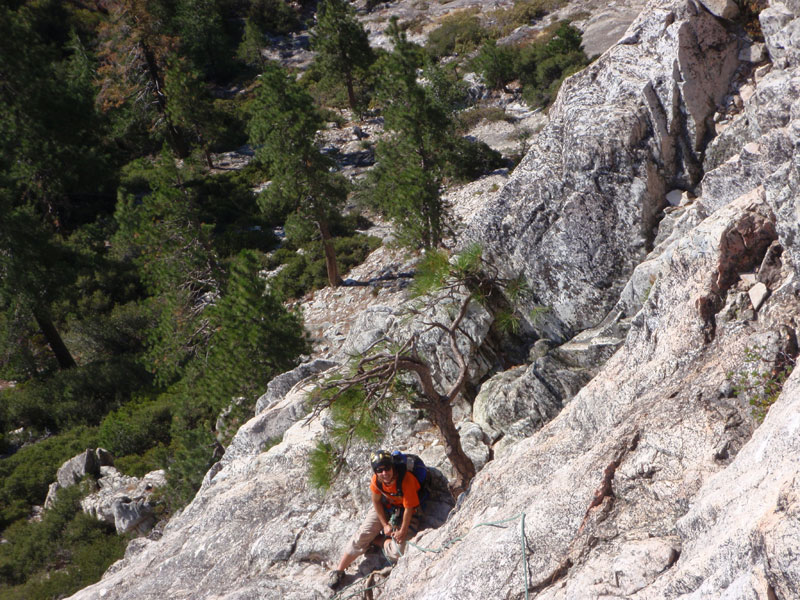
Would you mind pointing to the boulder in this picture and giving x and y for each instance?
(727, 9)
(124, 501)
(76, 468)
(758, 293)
(781, 29)
(515, 397)
(133, 514)
(474, 443)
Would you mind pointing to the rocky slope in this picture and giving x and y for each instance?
(654, 480)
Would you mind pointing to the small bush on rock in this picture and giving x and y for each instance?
(543, 65)
(472, 159)
(523, 12)
(760, 381)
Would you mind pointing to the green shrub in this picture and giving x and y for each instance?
(78, 396)
(26, 475)
(459, 33)
(116, 332)
(192, 454)
(232, 124)
(761, 380)
(495, 64)
(274, 16)
(543, 65)
(139, 465)
(136, 427)
(305, 272)
(523, 12)
(468, 119)
(472, 159)
(63, 553)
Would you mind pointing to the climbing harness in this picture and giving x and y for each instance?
(445, 546)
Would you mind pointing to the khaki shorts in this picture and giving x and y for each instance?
(371, 529)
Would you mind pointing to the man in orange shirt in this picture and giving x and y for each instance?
(390, 504)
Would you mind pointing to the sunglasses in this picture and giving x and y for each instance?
(380, 470)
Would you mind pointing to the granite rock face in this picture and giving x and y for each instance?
(578, 213)
(655, 480)
(619, 489)
(517, 402)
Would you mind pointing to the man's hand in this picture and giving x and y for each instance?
(400, 535)
(387, 530)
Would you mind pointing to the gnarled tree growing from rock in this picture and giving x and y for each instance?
(449, 293)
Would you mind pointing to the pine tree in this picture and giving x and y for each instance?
(255, 337)
(162, 235)
(446, 291)
(204, 41)
(495, 63)
(343, 50)
(190, 109)
(135, 45)
(249, 50)
(33, 268)
(283, 129)
(411, 161)
(49, 162)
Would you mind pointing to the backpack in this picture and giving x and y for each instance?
(403, 463)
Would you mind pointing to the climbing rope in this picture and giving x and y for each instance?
(449, 544)
(454, 541)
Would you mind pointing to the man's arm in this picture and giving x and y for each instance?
(378, 506)
(400, 534)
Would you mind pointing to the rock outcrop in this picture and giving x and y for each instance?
(120, 500)
(655, 480)
(76, 468)
(578, 213)
(124, 501)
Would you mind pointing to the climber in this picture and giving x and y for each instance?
(395, 513)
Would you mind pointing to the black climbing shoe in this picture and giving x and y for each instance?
(335, 578)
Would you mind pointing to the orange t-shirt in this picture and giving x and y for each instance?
(409, 499)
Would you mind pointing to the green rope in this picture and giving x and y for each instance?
(454, 541)
(524, 557)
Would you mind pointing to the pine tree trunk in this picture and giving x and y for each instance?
(441, 413)
(330, 254)
(351, 94)
(174, 137)
(57, 345)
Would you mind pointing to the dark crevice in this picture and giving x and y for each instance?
(559, 573)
